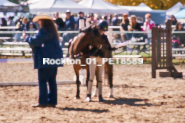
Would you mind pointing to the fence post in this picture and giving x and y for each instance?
(169, 46)
(154, 35)
(110, 33)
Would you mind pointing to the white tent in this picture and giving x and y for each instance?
(57, 6)
(143, 5)
(140, 7)
(174, 9)
(101, 6)
(7, 3)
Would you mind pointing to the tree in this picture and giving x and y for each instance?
(154, 4)
(17, 1)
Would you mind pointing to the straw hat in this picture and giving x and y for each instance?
(38, 17)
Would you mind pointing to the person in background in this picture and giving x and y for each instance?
(81, 16)
(173, 19)
(59, 21)
(90, 20)
(32, 28)
(45, 45)
(19, 20)
(180, 36)
(69, 26)
(134, 26)
(115, 20)
(70, 21)
(98, 18)
(25, 24)
(54, 17)
(10, 21)
(148, 24)
(103, 18)
(124, 27)
(18, 35)
(3, 23)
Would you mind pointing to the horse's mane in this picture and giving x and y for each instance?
(93, 28)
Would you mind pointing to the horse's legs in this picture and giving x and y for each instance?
(109, 69)
(87, 79)
(77, 81)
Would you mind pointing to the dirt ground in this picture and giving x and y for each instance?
(137, 98)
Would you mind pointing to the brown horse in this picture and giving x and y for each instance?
(90, 37)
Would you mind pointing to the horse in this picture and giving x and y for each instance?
(89, 37)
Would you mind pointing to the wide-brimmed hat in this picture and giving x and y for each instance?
(39, 17)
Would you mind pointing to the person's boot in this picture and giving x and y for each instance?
(88, 98)
(39, 106)
(101, 99)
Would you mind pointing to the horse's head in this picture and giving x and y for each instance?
(90, 37)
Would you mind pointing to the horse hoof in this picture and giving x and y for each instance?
(88, 99)
(111, 96)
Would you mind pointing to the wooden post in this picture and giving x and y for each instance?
(159, 47)
(154, 29)
(169, 46)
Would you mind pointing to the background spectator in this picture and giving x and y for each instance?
(91, 20)
(134, 26)
(59, 21)
(173, 19)
(18, 35)
(70, 21)
(124, 27)
(25, 24)
(32, 28)
(148, 24)
(115, 20)
(3, 22)
(10, 21)
(81, 16)
(103, 18)
(180, 36)
(70, 25)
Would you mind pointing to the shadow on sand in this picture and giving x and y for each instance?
(82, 109)
(129, 101)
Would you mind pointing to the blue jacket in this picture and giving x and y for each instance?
(45, 47)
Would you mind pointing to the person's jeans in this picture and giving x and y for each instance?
(47, 75)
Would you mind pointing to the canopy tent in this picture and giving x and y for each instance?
(140, 7)
(7, 3)
(180, 14)
(174, 9)
(143, 5)
(57, 6)
(136, 8)
(101, 6)
(7, 6)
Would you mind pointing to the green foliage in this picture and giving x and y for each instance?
(17, 1)
(14, 1)
(154, 4)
